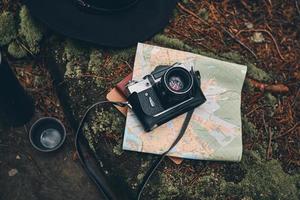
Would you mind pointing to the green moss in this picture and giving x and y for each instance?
(144, 167)
(118, 57)
(249, 128)
(264, 180)
(95, 67)
(16, 50)
(180, 185)
(95, 62)
(8, 30)
(271, 102)
(171, 43)
(180, 45)
(170, 188)
(270, 99)
(73, 70)
(30, 31)
(258, 74)
(233, 56)
(74, 51)
(123, 55)
(106, 123)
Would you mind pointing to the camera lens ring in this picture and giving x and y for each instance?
(188, 77)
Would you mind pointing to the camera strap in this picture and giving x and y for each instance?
(98, 179)
(155, 165)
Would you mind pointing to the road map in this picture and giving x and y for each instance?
(215, 130)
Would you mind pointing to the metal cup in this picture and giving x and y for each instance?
(47, 134)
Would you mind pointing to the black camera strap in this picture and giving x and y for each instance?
(155, 165)
(87, 166)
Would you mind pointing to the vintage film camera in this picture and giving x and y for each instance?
(166, 93)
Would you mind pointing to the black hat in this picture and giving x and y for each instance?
(113, 23)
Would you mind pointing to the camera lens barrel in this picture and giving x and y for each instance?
(176, 84)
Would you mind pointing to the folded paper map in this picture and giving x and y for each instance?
(214, 132)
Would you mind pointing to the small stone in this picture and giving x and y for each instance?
(18, 157)
(12, 172)
(257, 37)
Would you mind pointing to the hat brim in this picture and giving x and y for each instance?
(119, 29)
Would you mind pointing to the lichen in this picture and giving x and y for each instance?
(106, 122)
(145, 165)
(73, 70)
(30, 31)
(16, 50)
(74, 50)
(263, 180)
(8, 30)
(258, 74)
(95, 62)
(95, 67)
(180, 185)
(260, 179)
(118, 149)
(170, 188)
(118, 57)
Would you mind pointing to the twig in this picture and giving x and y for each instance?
(24, 47)
(240, 42)
(270, 34)
(191, 13)
(288, 131)
(218, 26)
(128, 65)
(251, 111)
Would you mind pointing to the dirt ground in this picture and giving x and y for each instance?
(29, 174)
(65, 76)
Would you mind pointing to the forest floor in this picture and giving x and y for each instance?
(66, 76)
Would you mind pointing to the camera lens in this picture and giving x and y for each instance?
(175, 85)
(178, 80)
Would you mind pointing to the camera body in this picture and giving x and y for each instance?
(166, 93)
